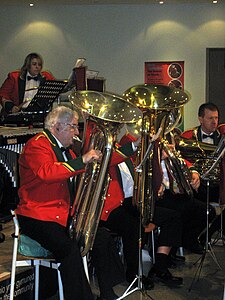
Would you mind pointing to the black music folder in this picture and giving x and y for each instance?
(46, 95)
(38, 107)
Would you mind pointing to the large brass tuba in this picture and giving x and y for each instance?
(157, 103)
(103, 114)
(205, 157)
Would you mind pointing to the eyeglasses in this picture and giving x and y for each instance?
(72, 126)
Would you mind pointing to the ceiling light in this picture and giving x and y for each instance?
(215, 1)
(31, 4)
(161, 2)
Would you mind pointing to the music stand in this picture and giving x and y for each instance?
(46, 95)
(38, 107)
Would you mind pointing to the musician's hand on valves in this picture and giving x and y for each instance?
(195, 182)
(15, 109)
(92, 155)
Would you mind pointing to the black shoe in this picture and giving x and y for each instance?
(111, 297)
(197, 248)
(147, 282)
(108, 295)
(165, 277)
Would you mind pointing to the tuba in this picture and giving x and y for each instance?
(205, 157)
(160, 104)
(210, 168)
(178, 169)
(103, 115)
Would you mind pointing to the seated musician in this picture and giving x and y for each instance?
(121, 217)
(209, 132)
(43, 210)
(193, 211)
(20, 86)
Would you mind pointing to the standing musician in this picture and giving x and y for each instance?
(210, 132)
(20, 86)
(47, 168)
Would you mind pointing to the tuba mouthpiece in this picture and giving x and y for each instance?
(76, 138)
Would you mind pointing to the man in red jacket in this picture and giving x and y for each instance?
(46, 172)
(209, 131)
(20, 86)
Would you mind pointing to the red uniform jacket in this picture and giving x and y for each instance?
(13, 87)
(115, 194)
(44, 192)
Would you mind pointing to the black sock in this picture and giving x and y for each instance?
(173, 251)
(161, 262)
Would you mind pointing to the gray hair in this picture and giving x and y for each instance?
(59, 114)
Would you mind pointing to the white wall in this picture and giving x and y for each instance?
(116, 40)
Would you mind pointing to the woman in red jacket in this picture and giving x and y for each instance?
(21, 85)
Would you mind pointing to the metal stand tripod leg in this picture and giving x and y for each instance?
(208, 247)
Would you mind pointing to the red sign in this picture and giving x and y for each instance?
(166, 73)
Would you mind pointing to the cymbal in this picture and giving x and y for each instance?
(156, 97)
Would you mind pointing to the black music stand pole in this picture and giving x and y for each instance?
(208, 247)
(139, 276)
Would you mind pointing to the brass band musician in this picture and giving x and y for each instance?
(46, 167)
(121, 217)
(21, 85)
(209, 132)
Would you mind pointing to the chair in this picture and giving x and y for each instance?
(35, 255)
(219, 208)
(31, 260)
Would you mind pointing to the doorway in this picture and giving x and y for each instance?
(215, 79)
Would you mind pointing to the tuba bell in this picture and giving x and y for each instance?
(103, 115)
(158, 103)
(205, 157)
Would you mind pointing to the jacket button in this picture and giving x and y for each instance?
(60, 202)
(106, 211)
(108, 195)
(57, 217)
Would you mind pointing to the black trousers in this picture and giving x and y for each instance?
(53, 237)
(124, 221)
(193, 213)
(105, 258)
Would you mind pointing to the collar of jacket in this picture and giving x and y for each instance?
(24, 75)
(54, 145)
(216, 136)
